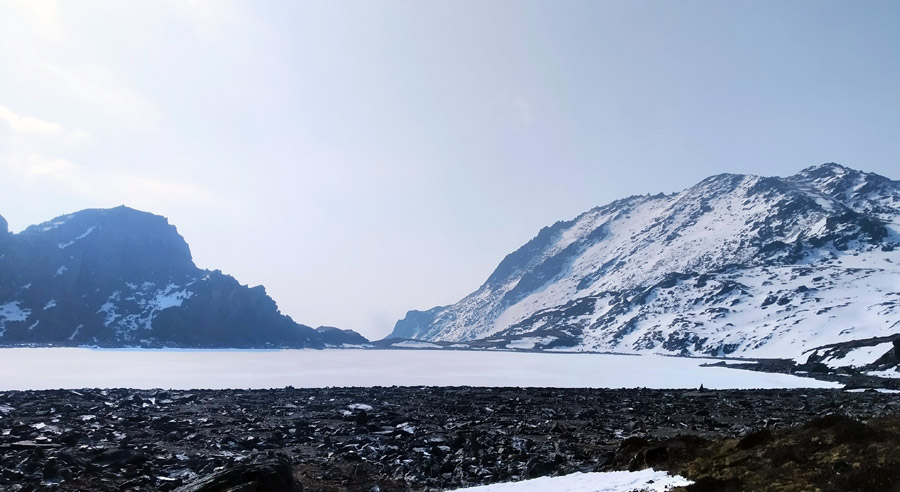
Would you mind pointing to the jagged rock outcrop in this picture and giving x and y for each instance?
(737, 264)
(122, 277)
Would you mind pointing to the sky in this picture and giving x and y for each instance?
(361, 159)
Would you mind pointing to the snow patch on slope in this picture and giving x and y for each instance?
(647, 480)
(860, 356)
(529, 343)
(11, 311)
(148, 300)
(82, 236)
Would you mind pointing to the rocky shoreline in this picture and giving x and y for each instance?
(423, 438)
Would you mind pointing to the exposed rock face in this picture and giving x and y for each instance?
(739, 265)
(121, 277)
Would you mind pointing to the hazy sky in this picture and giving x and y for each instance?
(364, 158)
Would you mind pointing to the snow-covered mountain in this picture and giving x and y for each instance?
(121, 277)
(735, 265)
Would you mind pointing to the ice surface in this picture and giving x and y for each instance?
(620, 481)
(48, 368)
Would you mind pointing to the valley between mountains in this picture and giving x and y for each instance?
(804, 267)
(797, 274)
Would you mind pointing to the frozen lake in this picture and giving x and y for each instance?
(51, 368)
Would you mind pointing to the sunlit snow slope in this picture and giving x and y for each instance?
(735, 265)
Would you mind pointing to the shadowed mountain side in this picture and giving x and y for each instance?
(121, 277)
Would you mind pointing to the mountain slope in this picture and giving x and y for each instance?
(121, 277)
(733, 265)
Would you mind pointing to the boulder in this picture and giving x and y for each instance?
(265, 476)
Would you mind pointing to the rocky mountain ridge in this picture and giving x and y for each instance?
(121, 277)
(735, 265)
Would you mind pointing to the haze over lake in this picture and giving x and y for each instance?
(52, 368)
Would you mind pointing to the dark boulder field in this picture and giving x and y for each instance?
(436, 438)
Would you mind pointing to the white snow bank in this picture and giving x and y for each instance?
(621, 481)
(528, 343)
(859, 356)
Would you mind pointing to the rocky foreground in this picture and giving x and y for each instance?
(429, 439)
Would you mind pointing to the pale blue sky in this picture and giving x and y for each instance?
(360, 159)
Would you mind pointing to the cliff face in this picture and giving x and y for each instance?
(121, 277)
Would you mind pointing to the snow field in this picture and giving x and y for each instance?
(621, 481)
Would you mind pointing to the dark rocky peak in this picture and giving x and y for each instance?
(719, 184)
(122, 277)
(826, 170)
(861, 191)
(829, 179)
(128, 243)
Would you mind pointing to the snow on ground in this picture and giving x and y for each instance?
(415, 344)
(621, 481)
(890, 373)
(528, 343)
(859, 356)
(50, 368)
(169, 297)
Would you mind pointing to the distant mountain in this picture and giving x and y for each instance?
(121, 277)
(735, 265)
